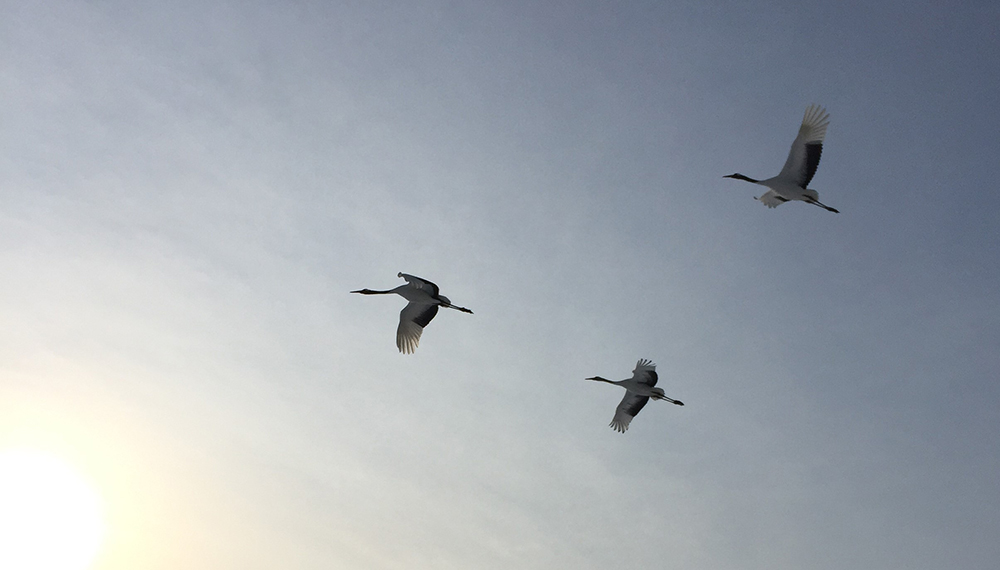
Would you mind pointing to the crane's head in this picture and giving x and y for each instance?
(598, 379)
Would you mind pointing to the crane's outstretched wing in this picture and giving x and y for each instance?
(412, 320)
(419, 283)
(803, 158)
(771, 199)
(644, 373)
(629, 407)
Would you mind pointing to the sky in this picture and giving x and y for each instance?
(190, 191)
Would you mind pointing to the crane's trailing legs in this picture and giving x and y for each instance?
(456, 307)
(824, 206)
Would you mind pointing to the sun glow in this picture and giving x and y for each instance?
(50, 518)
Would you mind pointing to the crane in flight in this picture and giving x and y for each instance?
(424, 301)
(791, 183)
(638, 390)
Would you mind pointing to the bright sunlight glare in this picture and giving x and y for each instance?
(50, 518)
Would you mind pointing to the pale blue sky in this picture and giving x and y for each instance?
(190, 192)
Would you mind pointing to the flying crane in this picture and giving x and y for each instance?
(638, 390)
(424, 300)
(791, 183)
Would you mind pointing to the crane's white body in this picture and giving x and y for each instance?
(424, 301)
(800, 166)
(638, 390)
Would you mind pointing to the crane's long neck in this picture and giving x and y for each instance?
(599, 379)
(373, 292)
(739, 176)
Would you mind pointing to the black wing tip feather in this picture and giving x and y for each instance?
(813, 153)
(424, 318)
(637, 407)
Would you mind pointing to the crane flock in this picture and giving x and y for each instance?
(791, 183)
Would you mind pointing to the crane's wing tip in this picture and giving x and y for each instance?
(816, 109)
(814, 124)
